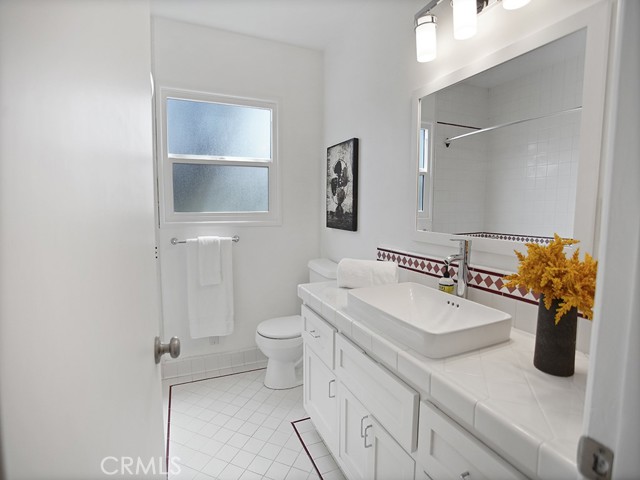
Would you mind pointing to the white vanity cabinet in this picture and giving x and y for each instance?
(376, 426)
(354, 420)
(446, 450)
(319, 382)
(367, 450)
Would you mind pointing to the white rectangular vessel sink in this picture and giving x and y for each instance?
(431, 322)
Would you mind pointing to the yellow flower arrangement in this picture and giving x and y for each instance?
(546, 270)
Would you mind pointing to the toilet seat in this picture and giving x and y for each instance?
(281, 328)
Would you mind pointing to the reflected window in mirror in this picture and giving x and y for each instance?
(425, 156)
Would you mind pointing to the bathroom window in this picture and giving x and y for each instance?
(219, 161)
(424, 176)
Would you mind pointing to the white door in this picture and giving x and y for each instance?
(80, 393)
(613, 385)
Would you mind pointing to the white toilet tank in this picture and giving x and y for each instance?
(322, 270)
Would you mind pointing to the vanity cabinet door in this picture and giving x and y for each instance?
(354, 420)
(388, 459)
(446, 450)
(319, 397)
(389, 399)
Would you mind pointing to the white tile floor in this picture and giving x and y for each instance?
(232, 427)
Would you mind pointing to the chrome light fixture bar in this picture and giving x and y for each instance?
(465, 21)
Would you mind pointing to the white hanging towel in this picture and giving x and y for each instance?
(210, 304)
(354, 273)
(209, 261)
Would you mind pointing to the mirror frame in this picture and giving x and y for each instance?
(597, 21)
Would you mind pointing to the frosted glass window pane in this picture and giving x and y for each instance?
(216, 129)
(421, 149)
(220, 188)
(420, 193)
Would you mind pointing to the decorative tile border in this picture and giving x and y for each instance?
(486, 280)
(510, 236)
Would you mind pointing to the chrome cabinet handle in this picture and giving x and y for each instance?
(464, 475)
(334, 395)
(362, 425)
(312, 333)
(366, 435)
(172, 348)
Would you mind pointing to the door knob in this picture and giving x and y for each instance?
(172, 348)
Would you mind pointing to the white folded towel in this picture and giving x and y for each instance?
(209, 261)
(210, 307)
(354, 273)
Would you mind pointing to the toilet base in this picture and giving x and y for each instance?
(282, 375)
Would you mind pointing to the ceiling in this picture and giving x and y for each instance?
(306, 23)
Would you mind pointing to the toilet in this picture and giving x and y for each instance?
(280, 339)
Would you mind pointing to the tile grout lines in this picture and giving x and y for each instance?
(247, 411)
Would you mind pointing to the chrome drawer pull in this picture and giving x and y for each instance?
(312, 333)
(362, 425)
(334, 395)
(464, 475)
(366, 435)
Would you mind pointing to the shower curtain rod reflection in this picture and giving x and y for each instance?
(175, 241)
(448, 141)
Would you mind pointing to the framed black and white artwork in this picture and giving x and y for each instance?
(342, 185)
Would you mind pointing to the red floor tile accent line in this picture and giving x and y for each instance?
(293, 424)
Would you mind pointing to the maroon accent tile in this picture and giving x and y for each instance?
(304, 445)
(483, 279)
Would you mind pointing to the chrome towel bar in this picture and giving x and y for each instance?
(175, 241)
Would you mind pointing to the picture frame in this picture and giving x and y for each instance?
(342, 185)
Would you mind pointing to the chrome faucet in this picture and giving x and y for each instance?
(462, 257)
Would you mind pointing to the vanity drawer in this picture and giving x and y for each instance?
(318, 335)
(446, 450)
(391, 401)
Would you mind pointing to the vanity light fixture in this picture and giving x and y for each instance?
(465, 19)
(513, 4)
(426, 46)
(465, 23)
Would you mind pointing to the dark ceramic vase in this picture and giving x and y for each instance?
(555, 351)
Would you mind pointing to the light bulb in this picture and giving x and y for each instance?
(426, 44)
(465, 19)
(513, 4)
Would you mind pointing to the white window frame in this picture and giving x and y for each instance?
(165, 168)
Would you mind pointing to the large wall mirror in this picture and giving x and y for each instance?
(511, 153)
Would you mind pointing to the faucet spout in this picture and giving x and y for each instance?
(462, 257)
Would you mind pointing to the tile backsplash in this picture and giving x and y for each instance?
(486, 286)
(206, 366)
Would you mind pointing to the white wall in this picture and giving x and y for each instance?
(269, 261)
(370, 74)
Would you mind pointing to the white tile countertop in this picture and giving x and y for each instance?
(532, 419)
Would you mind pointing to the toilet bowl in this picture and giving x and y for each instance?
(280, 339)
